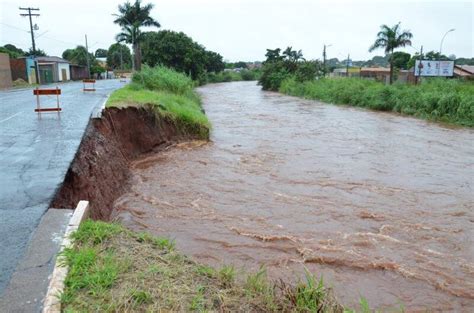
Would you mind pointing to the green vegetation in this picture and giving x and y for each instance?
(230, 76)
(112, 269)
(167, 92)
(278, 67)
(180, 52)
(132, 18)
(100, 53)
(119, 57)
(391, 38)
(443, 100)
(14, 52)
(80, 56)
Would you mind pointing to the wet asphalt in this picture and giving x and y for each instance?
(35, 154)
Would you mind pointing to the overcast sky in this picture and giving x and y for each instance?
(243, 29)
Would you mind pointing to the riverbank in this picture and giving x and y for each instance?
(448, 101)
(113, 269)
(158, 109)
(137, 271)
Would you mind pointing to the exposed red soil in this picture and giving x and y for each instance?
(100, 170)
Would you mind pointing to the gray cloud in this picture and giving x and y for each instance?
(242, 30)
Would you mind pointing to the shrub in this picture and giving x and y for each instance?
(163, 79)
(438, 99)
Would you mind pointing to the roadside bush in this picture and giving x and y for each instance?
(164, 79)
(443, 100)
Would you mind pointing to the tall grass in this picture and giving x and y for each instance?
(443, 100)
(230, 76)
(163, 79)
(169, 93)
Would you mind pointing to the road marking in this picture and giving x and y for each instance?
(10, 117)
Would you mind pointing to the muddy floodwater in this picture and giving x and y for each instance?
(381, 205)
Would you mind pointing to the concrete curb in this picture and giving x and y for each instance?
(97, 112)
(51, 302)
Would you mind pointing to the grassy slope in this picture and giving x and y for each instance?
(449, 101)
(113, 269)
(170, 93)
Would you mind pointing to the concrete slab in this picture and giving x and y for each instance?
(30, 280)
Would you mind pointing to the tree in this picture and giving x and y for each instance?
(12, 51)
(78, 56)
(435, 56)
(180, 52)
(214, 62)
(132, 18)
(101, 53)
(465, 61)
(119, 57)
(400, 60)
(37, 53)
(290, 64)
(391, 38)
(273, 55)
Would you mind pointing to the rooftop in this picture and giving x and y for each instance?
(51, 59)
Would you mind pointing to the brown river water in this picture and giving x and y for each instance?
(381, 205)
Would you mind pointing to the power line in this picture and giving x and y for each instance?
(8, 25)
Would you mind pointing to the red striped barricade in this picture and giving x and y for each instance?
(89, 84)
(47, 92)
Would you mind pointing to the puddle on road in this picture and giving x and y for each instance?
(378, 204)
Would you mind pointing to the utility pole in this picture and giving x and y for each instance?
(87, 59)
(420, 66)
(121, 57)
(29, 14)
(324, 60)
(347, 65)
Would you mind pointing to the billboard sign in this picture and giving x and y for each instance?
(434, 68)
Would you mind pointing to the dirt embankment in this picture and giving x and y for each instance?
(100, 170)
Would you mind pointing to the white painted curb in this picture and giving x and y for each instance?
(56, 285)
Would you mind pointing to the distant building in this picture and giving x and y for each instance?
(5, 72)
(354, 71)
(254, 65)
(464, 71)
(53, 69)
(23, 68)
(378, 73)
(78, 72)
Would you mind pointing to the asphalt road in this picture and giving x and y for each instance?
(35, 153)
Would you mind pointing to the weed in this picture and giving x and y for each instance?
(112, 269)
(227, 275)
(435, 99)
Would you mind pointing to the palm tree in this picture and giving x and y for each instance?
(131, 18)
(390, 39)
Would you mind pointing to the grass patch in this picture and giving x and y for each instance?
(113, 269)
(450, 101)
(168, 93)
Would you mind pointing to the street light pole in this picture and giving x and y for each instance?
(441, 47)
(441, 44)
(87, 59)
